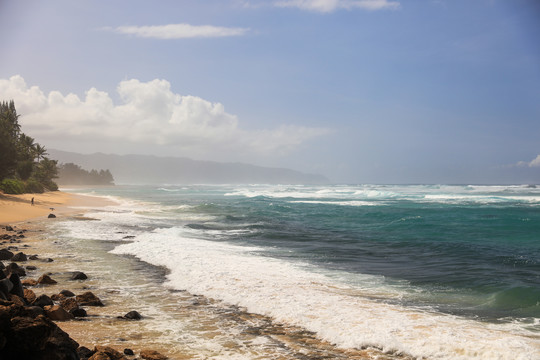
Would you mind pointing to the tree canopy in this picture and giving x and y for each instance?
(23, 164)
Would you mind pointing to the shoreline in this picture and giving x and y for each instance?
(104, 326)
(18, 208)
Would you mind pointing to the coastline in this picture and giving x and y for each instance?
(250, 334)
(18, 208)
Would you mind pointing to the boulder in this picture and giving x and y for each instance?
(31, 268)
(34, 338)
(152, 355)
(17, 286)
(29, 282)
(33, 257)
(78, 275)
(29, 296)
(19, 257)
(129, 352)
(13, 268)
(69, 304)
(88, 299)
(17, 300)
(78, 312)
(42, 301)
(51, 216)
(109, 351)
(57, 297)
(56, 312)
(84, 352)
(5, 287)
(46, 280)
(133, 315)
(67, 293)
(9, 228)
(5, 254)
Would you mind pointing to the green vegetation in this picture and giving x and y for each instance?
(23, 164)
(71, 174)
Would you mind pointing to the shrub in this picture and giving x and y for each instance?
(12, 186)
(34, 186)
(50, 185)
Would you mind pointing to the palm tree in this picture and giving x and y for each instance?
(40, 151)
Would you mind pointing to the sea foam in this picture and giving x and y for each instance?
(336, 311)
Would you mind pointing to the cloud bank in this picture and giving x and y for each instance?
(179, 31)
(150, 115)
(326, 6)
(534, 163)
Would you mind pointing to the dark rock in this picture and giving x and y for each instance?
(109, 351)
(88, 299)
(152, 355)
(78, 275)
(31, 268)
(69, 304)
(5, 287)
(51, 216)
(29, 282)
(34, 311)
(29, 296)
(42, 301)
(33, 338)
(67, 293)
(78, 312)
(5, 254)
(100, 356)
(56, 312)
(9, 228)
(33, 257)
(84, 352)
(133, 315)
(46, 280)
(48, 260)
(19, 257)
(13, 268)
(57, 297)
(17, 286)
(128, 352)
(17, 300)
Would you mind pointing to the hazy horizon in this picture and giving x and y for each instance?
(372, 91)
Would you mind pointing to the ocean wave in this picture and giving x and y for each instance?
(337, 312)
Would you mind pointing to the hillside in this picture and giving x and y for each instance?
(148, 169)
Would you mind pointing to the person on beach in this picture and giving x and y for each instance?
(32, 201)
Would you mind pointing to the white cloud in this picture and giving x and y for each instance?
(150, 115)
(327, 6)
(534, 163)
(180, 31)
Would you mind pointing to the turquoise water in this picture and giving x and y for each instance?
(471, 252)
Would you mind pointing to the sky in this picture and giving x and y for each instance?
(361, 91)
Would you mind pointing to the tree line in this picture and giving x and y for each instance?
(24, 166)
(72, 174)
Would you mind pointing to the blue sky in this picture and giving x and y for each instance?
(372, 91)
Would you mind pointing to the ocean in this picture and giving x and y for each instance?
(435, 272)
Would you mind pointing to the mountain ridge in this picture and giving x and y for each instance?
(152, 169)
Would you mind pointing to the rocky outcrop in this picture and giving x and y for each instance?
(25, 335)
(46, 280)
(88, 299)
(152, 355)
(78, 275)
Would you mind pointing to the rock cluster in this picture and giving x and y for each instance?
(27, 328)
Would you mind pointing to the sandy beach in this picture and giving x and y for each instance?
(19, 208)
